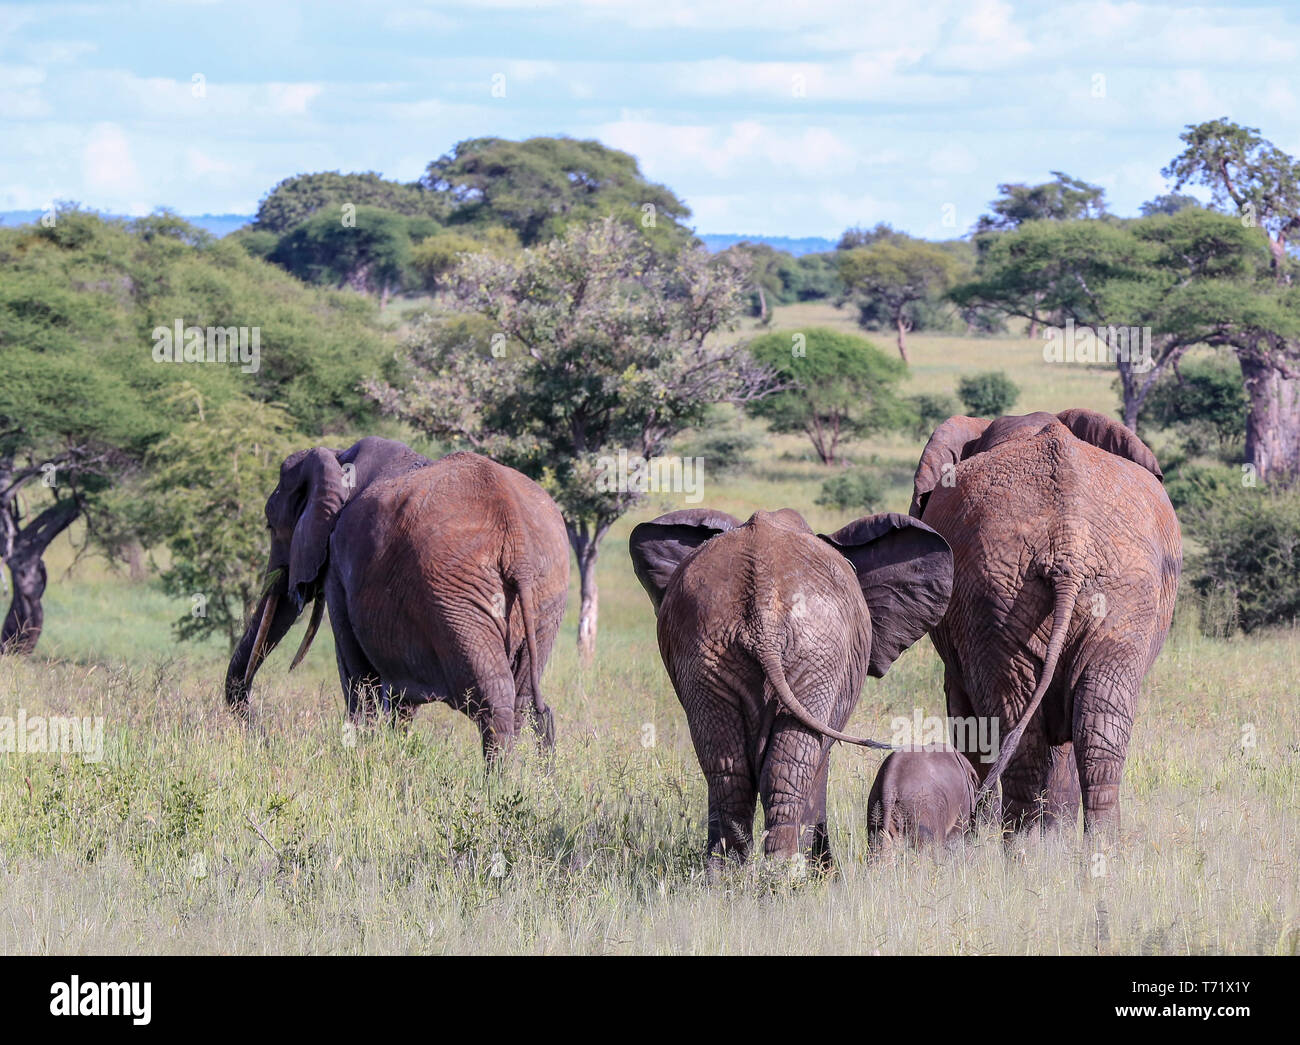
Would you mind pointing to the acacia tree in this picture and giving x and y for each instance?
(571, 351)
(841, 386)
(897, 274)
(1190, 278)
(1262, 183)
(1062, 199)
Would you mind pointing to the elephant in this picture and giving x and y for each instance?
(445, 580)
(923, 795)
(767, 632)
(1066, 559)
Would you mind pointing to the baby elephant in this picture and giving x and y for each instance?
(923, 795)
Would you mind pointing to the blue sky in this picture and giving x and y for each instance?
(774, 118)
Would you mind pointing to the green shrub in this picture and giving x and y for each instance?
(1248, 576)
(1204, 404)
(852, 491)
(931, 411)
(725, 447)
(990, 394)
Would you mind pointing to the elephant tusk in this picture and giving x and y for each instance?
(317, 611)
(263, 626)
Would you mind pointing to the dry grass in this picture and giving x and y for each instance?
(401, 844)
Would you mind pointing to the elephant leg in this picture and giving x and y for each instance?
(487, 685)
(357, 675)
(1061, 788)
(1104, 700)
(793, 760)
(547, 629)
(732, 796)
(815, 838)
(1023, 793)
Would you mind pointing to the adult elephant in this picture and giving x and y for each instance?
(1066, 558)
(445, 581)
(768, 631)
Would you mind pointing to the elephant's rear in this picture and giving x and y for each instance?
(467, 553)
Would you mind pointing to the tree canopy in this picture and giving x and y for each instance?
(570, 352)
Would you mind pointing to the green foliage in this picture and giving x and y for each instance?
(1245, 172)
(892, 275)
(1203, 401)
(930, 411)
(1197, 489)
(779, 278)
(852, 491)
(299, 198)
(259, 243)
(372, 256)
(79, 301)
(724, 445)
(1248, 575)
(1062, 199)
(1168, 203)
(841, 386)
(586, 345)
(206, 486)
(990, 394)
(543, 186)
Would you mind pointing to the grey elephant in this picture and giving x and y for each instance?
(768, 631)
(925, 796)
(445, 580)
(1066, 558)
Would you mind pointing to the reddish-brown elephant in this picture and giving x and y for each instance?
(1066, 558)
(445, 581)
(768, 632)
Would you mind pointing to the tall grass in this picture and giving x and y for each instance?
(196, 835)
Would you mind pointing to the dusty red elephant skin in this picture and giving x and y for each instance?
(767, 632)
(445, 580)
(1066, 558)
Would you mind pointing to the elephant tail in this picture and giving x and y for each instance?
(771, 664)
(1067, 593)
(544, 717)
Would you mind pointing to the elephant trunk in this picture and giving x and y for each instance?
(274, 616)
(1067, 593)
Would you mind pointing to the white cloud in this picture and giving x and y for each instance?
(291, 99)
(108, 167)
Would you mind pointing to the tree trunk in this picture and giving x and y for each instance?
(23, 622)
(589, 605)
(135, 560)
(1272, 421)
(902, 336)
(762, 305)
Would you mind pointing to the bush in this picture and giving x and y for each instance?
(1248, 576)
(851, 491)
(1204, 404)
(842, 387)
(725, 447)
(990, 394)
(931, 411)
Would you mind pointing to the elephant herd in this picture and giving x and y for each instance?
(1041, 554)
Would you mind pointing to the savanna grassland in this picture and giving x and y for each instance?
(194, 835)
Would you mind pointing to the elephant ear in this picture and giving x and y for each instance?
(659, 546)
(1110, 436)
(319, 480)
(946, 447)
(905, 571)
